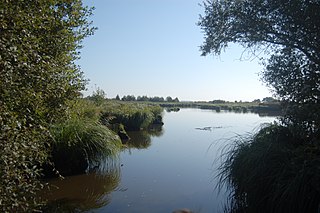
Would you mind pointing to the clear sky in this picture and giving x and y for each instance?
(151, 47)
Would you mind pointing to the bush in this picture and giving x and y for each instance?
(23, 149)
(272, 171)
(39, 44)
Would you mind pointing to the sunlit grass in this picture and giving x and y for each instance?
(79, 142)
(134, 116)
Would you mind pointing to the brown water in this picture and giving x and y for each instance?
(160, 171)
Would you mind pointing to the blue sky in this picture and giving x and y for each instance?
(151, 47)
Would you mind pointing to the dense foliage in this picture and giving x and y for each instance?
(39, 42)
(276, 170)
(289, 31)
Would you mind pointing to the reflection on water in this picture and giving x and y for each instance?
(142, 139)
(82, 192)
(91, 191)
(160, 170)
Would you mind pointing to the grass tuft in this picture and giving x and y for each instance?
(272, 171)
(79, 143)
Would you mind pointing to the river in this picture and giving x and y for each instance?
(166, 169)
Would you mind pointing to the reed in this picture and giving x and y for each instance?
(79, 143)
(272, 171)
(134, 116)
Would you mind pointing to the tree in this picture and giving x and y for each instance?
(169, 99)
(142, 98)
(176, 99)
(39, 42)
(128, 98)
(289, 31)
(269, 100)
(157, 99)
(218, 101)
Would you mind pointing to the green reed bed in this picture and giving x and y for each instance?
(134, 116)
(272, 171)
(89, 132)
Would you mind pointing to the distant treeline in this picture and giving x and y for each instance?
(146, 98)
(264, 100)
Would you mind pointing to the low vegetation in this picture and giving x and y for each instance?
(79, 144)
(134, 116)
(256, 107)
(272, 171)
(93, 130)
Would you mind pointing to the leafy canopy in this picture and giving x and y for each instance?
(289, 32)
(39, 43)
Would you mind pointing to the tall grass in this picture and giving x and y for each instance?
(272, 171)
(79, 143)
(84, 109)
(134, 116)
(84, 137)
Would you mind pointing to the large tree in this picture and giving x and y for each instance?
(289, 31)
(39, 42)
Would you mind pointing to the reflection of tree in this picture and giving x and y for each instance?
(142, 139)
(82, 192)
(156, 130)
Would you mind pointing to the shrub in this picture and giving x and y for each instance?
(39, 44)
(22, 148)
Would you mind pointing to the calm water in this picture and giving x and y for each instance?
(170, 168)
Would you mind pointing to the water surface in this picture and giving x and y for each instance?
(170, 168)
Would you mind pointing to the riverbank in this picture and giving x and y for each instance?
(262, 108)
(230, 106)
(93, 131)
